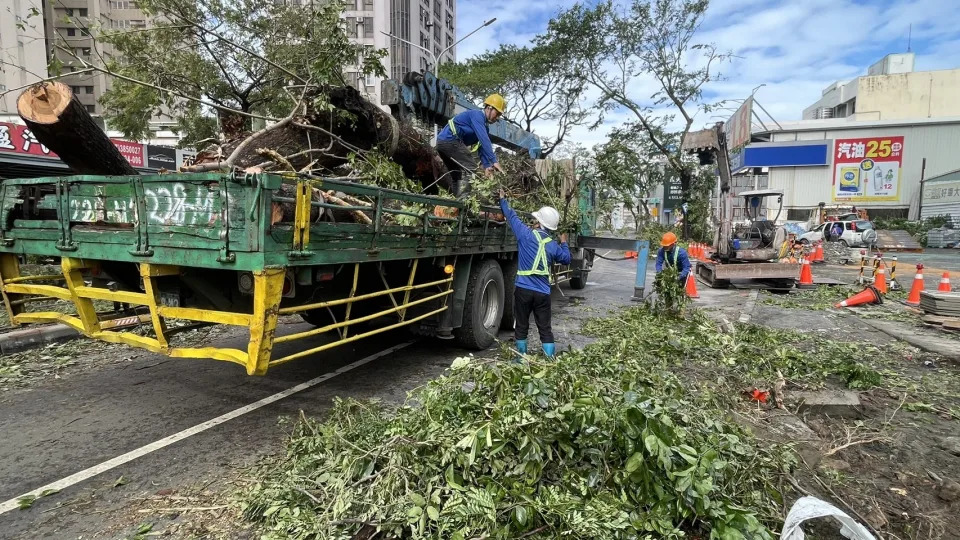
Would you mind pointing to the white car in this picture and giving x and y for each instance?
(855, 233)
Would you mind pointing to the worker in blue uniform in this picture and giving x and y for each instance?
(536, 253)
(465, 134)
(673, 256)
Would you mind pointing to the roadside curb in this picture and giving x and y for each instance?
(919, 341)
(30, 338)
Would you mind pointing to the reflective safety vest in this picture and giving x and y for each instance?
(453, 129)
(540, 263)
(676, 257)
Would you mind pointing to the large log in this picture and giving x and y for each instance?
(63, 125)
(366, 127)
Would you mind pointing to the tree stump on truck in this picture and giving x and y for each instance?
(61, 123)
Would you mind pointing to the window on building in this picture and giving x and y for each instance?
(436, 33)
(449, 22)
(368, 27)
(91, 108)
(368, 5)
(449, 40)
(69, 12)
(75, 89)
(437, 51)
(138, 24)
(450, 4)
(71, 32)
(351, 28)
(87, 89)
(85, 51)
(83, 12)
(85, 32)
(436, 9)
(424, 65)
(424, 40)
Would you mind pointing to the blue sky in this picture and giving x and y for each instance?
(795, 47)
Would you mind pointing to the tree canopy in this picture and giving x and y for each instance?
(244, 58)
(536, 82)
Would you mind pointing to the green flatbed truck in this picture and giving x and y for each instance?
(212, 248)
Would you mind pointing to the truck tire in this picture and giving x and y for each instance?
(483, 306)
(509, 268)
(578, 281)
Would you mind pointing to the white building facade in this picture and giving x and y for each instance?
(877, 165)
(426, 32)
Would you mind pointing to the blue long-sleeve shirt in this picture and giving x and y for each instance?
(683, 261)
(471, 129)
(527, 247)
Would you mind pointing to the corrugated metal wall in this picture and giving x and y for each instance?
(941, 197)
(805, 187)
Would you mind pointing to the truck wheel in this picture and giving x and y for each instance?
(578, 281)
(483, 306)
(509, 268)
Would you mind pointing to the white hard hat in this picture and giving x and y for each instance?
(548, 217)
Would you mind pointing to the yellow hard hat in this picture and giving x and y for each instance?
(497, 102)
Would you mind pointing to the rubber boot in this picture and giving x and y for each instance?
(522, 346)
(550, 349)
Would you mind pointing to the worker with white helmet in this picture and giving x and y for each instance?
(466, 133)
(536, 253)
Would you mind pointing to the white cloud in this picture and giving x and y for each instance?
(794, 48)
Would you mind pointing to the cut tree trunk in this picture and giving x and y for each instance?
(63, 125)
(370, 127)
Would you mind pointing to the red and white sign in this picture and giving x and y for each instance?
(867, 169)
(18, 139)
(133, 151)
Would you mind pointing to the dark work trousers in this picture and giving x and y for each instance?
(526, 301)
(459, 159)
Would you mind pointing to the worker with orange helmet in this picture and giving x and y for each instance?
(673, 256)
(466, 133)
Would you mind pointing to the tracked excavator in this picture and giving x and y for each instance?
(747, 252)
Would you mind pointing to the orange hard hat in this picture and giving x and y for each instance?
(668, 239)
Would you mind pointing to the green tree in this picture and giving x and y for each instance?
(537, 83)
(631, 169)
(243, 58)
(621, 50)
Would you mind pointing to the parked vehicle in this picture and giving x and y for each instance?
(853, 233)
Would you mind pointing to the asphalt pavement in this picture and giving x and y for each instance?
(170, 412)
(88, 419)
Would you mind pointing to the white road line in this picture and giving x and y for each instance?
(86, 474)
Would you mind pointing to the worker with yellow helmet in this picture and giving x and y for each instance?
(466, 133)
(673, 256)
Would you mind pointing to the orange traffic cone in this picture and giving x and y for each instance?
(691, 286)
(944, 283)
(818, 254)
(880, 278)
(630, 255)
(870, 295)
(693, 251)
(806, 275)
(914, 298)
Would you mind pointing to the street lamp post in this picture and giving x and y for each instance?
(436, 58)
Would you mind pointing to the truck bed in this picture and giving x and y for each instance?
(227, 221)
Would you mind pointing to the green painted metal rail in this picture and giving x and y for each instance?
(226, 221)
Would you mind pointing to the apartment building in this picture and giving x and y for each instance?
(423, 33)
(68, 24)
(23, 57)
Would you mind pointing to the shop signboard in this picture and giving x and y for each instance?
(867, 169)
(17, 139)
